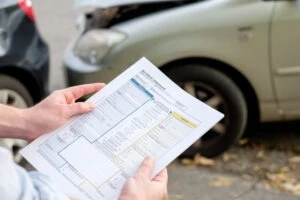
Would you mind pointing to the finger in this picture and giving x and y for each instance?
(162, 176)
(75, 92)
(145, 169)
(79, 108)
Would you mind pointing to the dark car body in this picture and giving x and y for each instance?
(24, 61)
(23, 53)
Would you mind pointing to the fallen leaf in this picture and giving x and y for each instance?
(199, 160)
(278, 178)
(261, 155)
(260, 170)
(289, 187)
(284, 181)
(186, 161)
(284, 169)
(229, 157)
(221, 181)
(243, 142)
(295, 159)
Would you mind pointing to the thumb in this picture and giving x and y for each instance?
(80, 108)
(145, 169)
(162, 176)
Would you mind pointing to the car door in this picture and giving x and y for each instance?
(285, 56)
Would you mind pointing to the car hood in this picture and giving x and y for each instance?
(113, 3)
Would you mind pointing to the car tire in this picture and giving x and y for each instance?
(219, 91)
(13, 93)
(12, 84)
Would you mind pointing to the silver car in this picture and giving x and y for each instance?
(241, 57)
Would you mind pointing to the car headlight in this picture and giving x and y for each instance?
(95, 44)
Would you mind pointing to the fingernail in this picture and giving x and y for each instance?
(91, 105)
(102, 84)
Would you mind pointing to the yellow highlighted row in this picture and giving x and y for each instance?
(184, 120)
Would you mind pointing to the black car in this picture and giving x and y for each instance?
(24, 57)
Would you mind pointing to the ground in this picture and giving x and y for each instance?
(264, 166)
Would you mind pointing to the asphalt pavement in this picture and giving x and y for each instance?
(196, 183)
(56, 22)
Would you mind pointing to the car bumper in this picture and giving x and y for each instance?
(39, 62)
(30, 54)
(77, 76)
(42, 76)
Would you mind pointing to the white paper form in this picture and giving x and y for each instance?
(140, 113)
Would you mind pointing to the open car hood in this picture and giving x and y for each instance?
(113, 3)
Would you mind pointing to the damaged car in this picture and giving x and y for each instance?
(239, 57)
(24, 61)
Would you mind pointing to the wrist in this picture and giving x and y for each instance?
(28, 124)
(25, 124)
(13, 123)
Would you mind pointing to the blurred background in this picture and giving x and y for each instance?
(56, 23)
(240, 57)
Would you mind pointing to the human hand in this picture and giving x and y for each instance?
(141, 187)
(57, 108)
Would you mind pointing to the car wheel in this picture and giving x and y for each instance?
(13, 93)
(220, 92)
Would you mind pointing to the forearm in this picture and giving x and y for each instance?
(13, 122)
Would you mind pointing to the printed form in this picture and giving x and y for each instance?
(140, 113)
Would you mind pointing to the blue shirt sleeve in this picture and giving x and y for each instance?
(18, 184)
